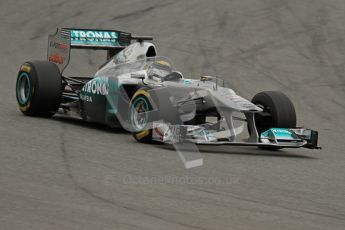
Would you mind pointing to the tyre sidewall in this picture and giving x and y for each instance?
(45, 88)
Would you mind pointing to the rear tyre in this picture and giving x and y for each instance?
(278, 112)
(39, 88)
(138, 117)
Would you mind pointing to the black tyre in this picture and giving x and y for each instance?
(138, 117)
(39, 88)
(278, 112)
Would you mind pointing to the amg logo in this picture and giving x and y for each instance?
(85, 98)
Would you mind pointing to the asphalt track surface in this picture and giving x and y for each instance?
(66, 174)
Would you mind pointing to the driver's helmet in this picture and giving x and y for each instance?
(158, 70)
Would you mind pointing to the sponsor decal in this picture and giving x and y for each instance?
(90, 37)
(85, 98)
(64, 34)
(59, 46)
(285, 131)
(25, 68)
(56, 58)
(187, 82)
(99, 86)
(279, 134)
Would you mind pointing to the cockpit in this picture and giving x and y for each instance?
(158, 70)
(161, 70)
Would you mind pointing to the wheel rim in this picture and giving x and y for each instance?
(23, 88)
(139, 115)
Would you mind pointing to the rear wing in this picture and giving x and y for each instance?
(65, 39)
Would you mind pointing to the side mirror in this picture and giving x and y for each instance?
(138, 76)
(173, 76)
(206, 78)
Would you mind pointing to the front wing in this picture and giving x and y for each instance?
(201, 135)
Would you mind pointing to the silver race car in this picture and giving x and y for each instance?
(143, 93)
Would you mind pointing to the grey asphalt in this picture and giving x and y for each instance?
(66, 174)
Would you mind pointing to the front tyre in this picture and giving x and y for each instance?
(278, 112)
(39, 88)
(139, 107)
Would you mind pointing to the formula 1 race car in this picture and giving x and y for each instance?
(143, 93)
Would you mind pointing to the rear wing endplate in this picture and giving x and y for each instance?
(65, 39)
